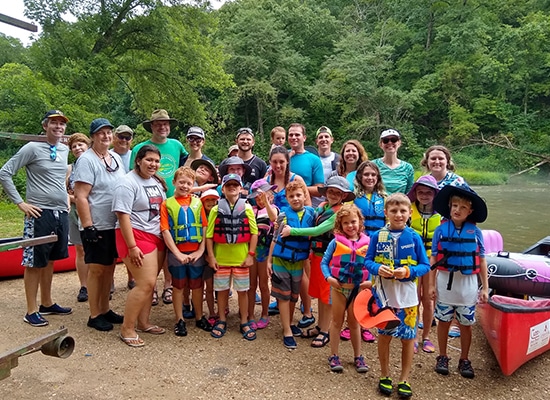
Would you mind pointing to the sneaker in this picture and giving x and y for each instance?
(289, 342)
(442, 365)
(100, 323)
(113, 317)
(385, 386)
(360, 365)
(258, 299)
(404, 389)
(454, 332)
(35, 319)
(415, 347)
(345, 334)
(203, 324)
(82, 295)
(306, 321)
(55, 309)
(273, 308)
(465, 368)
(367, 336)
(428, 346)
(335, 364)
(180, 329)
(188, 313)
(295, 331)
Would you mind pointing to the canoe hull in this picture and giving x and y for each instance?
(517, 330)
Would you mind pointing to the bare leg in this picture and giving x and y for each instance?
(304, 295)
(253, 273)
(46, 276)
(264, 287)
(286, 314)
(407, 353)
(209, 290)
(31, 279)
(355, 331)
(442, 332)
(81, 266)
(465, 341)
(338, 311)
(384, 354)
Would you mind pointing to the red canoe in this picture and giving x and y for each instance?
(11, 261)
(517, 330)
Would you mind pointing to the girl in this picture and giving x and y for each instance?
(343, 269)
(424, 220)
(209, 199)
(266, 214)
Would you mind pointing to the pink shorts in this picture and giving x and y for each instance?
(147, 242)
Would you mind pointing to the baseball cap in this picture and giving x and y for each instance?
(55, 113)
(389, 132)
(369, 314)
(232, 149)
(99, 123)
(244, 130)
(210, 193)
(323, 129)
(231, 177)
(124, 129)
(260, 186)
(195, 131)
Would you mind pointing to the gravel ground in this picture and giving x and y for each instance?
(200, 367)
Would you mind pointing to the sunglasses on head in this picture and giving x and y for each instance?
(390, 139)
(245, 130)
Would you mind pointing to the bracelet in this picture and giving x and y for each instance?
(252, 253)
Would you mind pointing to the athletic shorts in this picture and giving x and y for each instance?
(102, 252)
(186, 275)
(50, 222)
(239, 275)
(318, 286)
(286, 279)
(465, 315)
(147, 242)
(261, 253)
(74, 233)
(407, 328)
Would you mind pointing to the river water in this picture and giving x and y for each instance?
(520, 212)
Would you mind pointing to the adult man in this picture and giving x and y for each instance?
(122, 140)
(195, 139)
(329, 159)
(171, 150)
(46, 211)
(258, 167)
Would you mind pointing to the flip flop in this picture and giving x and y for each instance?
(132, 342)
(167, 295)
(153, 330)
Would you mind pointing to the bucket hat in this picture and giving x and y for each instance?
(233, 161)
(99, 123)
(159, 115)
(201, 161)
(260, 186)
(441, 202)
(369, 315)
(337, 182)
(424, 180)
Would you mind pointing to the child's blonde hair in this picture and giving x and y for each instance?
(397, 199)
(348, 210)
(296, 185)
(461, 199)
(185, 171)
(277, 129)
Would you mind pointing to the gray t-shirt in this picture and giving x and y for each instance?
(92, 170)
(45, 177)
(141, 198)
(125, 159)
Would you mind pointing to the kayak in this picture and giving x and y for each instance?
(11, 260)
(517, 330)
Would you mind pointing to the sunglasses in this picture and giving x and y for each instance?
(53, 152)
(124, 137)
(194, 139)
(108, 167)
(392, 139)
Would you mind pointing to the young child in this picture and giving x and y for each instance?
(182, 223)
(459, 256)
(337, 192)
(396, 257)
(286, 258)
(343, 268)
(278, 136)
(209, 199)
(231, 240)
(424, 220)
(369, 196)
(266, 214)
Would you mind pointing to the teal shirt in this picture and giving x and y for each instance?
(396, 180)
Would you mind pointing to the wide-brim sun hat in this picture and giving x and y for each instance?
(159, 115)
(340, 183)
(369, 315)
(441, 202)
(99, 123)
(235, 160)
(201, 161)
(424, 180)
(260, 186)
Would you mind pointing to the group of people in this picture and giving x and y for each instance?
(325, 226)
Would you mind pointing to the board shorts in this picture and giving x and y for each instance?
(465, 315)
(286, 279)
(186, 275)
(407, 328)
(239, 275)
(50, 222)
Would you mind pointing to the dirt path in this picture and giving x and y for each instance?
(200, 367)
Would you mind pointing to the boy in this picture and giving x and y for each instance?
(182, 223)
(286, 258)
(458, 247)
(396, 256)
(231, 240)
(209, 199)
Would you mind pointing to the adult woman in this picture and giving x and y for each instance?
(398, 175)
(351, 156)
(280, 175)
(139, 242)
(97, 173)
(78, 143)
(438, 162)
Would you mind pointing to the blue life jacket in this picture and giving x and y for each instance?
(458, 251)
(373, 212)
(295, 248)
